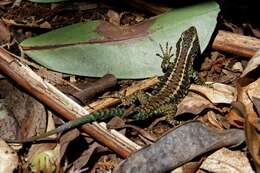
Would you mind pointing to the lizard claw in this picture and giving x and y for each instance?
(165, 56)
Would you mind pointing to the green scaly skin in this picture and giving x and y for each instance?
(175, 83)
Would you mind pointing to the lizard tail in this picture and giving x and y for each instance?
(96, 116)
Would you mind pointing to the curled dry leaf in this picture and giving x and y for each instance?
(248, 95)
(113, 17)
(234, 119)
(253, 63)
(256, 121)
(193, 103)
(8, 158)
(254, 95)
(143, 133)
(215, 120)
(5, 35)
(253, 141)
(227, 161)
(178, 147)
(83, 159)
(217, 93)
(252, 123)
(66, 139)
(43, 157)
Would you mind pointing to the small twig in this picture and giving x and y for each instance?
(104, 83)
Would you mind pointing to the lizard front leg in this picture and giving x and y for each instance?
(166, 65)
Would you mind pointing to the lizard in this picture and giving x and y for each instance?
(171, 89)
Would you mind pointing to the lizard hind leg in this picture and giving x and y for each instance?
(194, 76)
(197, 80)
(169, 110)
(139, 96)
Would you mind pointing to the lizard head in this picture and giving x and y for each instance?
(188, 44)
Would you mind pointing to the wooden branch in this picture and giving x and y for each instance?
(107, 102)
(235, 43)
(57, 101)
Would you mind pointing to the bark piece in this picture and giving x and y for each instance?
(236, 44)
(178, 147)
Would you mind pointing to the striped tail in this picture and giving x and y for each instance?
(96, 116)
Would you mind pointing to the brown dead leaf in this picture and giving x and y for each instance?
(253, 63)
(143, 133)
(234, 119)
(105, 164)
(248, 95)
(5, 2)
(128, 18)
(43, 156)
(217, 93)
(193, 103)
(256, 122)
(255, 31)
(83, 159)
(253, 140)
(26, 116)
(229, 76)
(116, 123)
(8, 158)
(227, 161)
(253, 93)
(113, 17)
(5, 35)
(65, 140)
(32, 23)
(215, 120)
(234, 28)
(252, 129)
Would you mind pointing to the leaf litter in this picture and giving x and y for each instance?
(188, 143)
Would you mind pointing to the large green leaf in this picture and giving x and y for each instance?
(97, 47)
